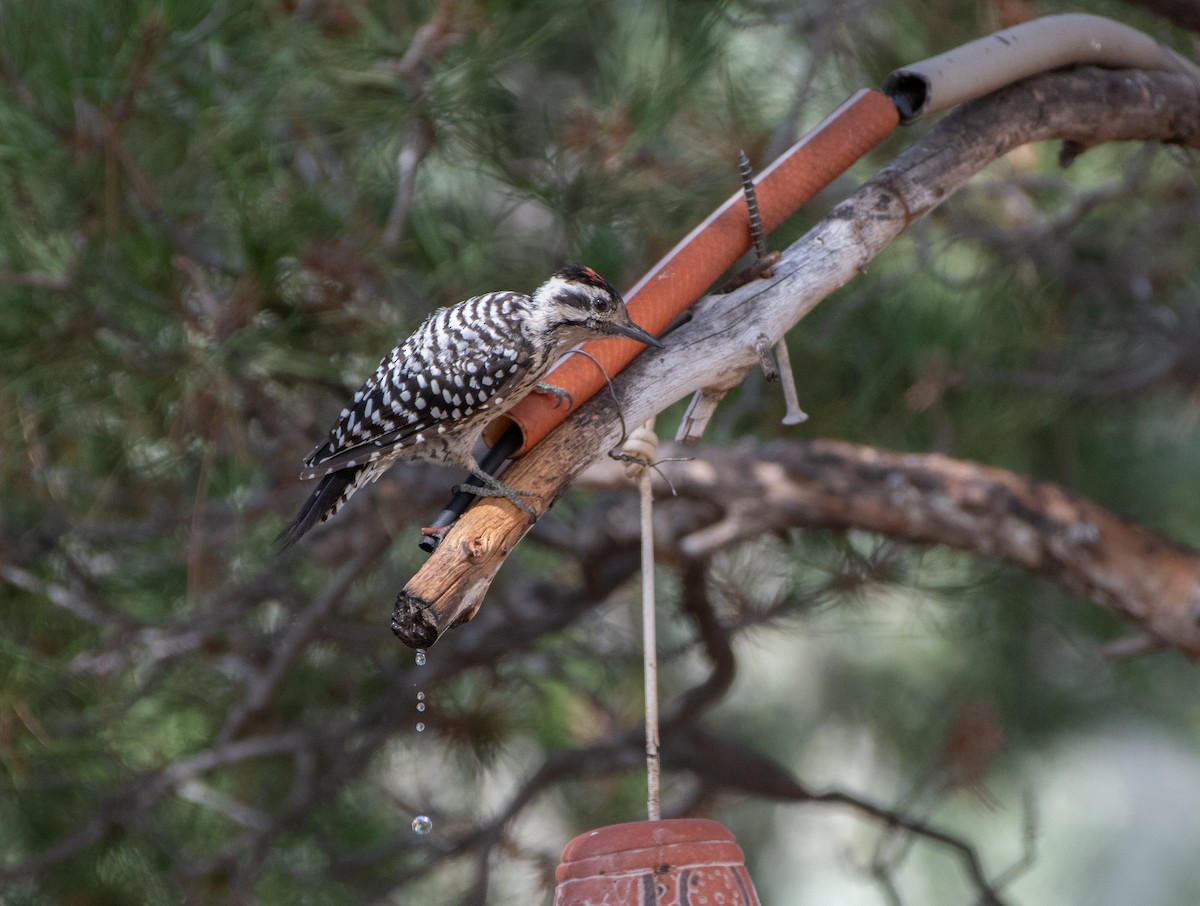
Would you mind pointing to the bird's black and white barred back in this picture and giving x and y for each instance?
(431, 396)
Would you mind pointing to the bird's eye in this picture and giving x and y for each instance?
(601, 304)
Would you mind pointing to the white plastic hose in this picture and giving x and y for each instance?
(1041, 45)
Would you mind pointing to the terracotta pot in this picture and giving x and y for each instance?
(681, 862)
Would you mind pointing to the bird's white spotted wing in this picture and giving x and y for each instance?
(461, 365)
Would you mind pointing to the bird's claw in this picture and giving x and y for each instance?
(512, 495)
(560, 395)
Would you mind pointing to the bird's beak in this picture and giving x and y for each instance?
(631, 330)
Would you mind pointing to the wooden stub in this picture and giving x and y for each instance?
(448, 590)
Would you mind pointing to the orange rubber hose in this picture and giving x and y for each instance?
(690, 268)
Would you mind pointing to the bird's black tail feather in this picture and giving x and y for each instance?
(324, 501)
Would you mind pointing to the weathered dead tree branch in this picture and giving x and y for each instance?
(1082, 107)
(931, 499)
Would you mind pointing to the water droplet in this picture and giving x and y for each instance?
(420, 696)
(420, 728)
(422, 824)
(420, 657)
(420, 706)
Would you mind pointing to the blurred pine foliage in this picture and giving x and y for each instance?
(213, 221)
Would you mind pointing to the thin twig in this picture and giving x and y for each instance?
(260, 689)
(640, 471)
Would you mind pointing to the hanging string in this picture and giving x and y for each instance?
(640, 451)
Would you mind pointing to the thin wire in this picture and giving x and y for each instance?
(612, 391)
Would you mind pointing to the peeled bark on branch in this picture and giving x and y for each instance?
(932, 499)
(1083, 107)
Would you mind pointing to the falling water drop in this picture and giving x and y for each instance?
(420, 727)
(420, 696)
(420, 706)
(422, 824)
(420, 657)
